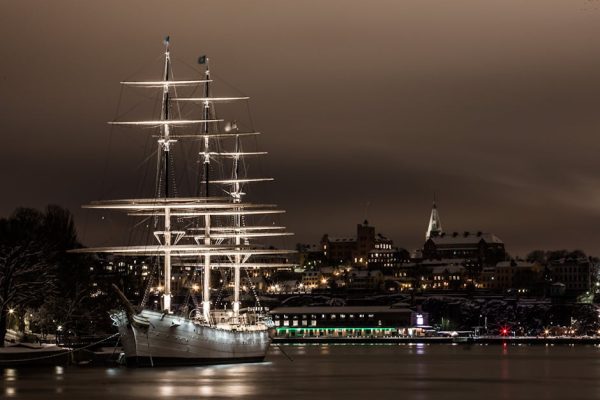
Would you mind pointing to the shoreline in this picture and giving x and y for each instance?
(496, 340)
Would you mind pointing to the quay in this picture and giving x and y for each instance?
(483, 340)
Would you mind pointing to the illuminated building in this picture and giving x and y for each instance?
(348, 321)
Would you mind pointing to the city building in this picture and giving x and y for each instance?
(477, 249)
(131, 274)
(385, 255)
(521, 276)
(575, 274)
(365, 280)
(356, 250)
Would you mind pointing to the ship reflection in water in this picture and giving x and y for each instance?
(416, 371)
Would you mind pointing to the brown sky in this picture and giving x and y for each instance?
(492, 105)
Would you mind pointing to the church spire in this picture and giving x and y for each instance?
(435, 225)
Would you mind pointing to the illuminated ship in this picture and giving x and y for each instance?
(215, 229)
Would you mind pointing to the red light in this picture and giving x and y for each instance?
(504, 331)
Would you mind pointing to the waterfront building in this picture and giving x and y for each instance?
(348, 321)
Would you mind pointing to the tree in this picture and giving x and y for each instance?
(32, 255)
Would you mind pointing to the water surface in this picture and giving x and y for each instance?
(374, 372)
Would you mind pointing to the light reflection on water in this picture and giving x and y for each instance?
(416, 371)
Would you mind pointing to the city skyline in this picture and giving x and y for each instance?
(365, 112)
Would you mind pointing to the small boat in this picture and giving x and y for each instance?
(32, 355)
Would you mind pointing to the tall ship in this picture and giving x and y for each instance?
(209, 230)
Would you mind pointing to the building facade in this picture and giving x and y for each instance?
(347, 321)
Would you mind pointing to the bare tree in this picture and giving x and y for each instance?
(33, 248)
(25, 279)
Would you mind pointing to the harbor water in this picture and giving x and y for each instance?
(407, 371)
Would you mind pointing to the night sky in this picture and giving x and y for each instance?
(367, 109)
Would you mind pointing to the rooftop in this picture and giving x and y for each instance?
(465, 238)
(338, 310)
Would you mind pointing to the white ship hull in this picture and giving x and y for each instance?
(173, 340)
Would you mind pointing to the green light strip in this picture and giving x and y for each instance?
(286, 328)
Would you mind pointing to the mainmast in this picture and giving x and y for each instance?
(206, 156)
(165, 143)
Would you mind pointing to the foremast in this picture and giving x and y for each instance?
(236, 195)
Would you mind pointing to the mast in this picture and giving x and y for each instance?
(165, 143)
(206, 154)
(237, 198)
(218, 246)
(205, 115)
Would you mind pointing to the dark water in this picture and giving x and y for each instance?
(339, 372)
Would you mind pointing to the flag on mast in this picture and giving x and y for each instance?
(202, 59)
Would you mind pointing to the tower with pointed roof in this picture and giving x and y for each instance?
(435, 225)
